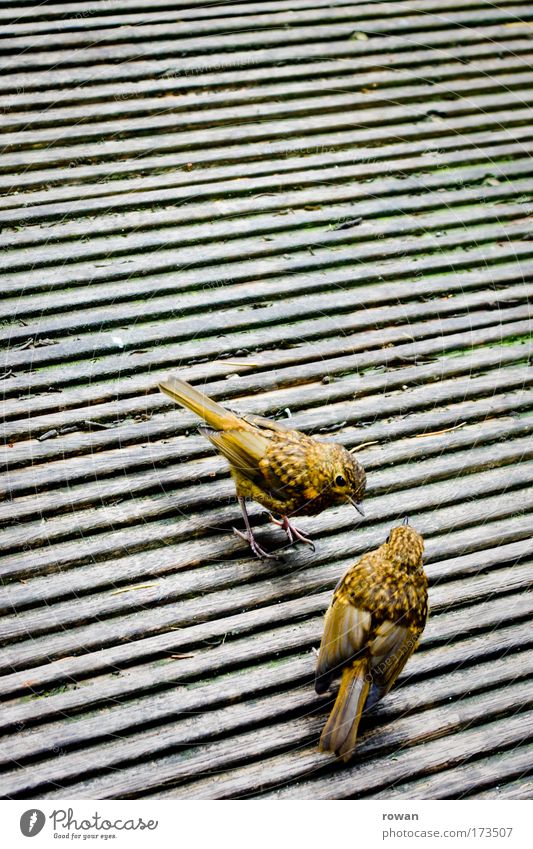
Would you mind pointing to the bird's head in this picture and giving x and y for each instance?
(348, 478)
(406, 546)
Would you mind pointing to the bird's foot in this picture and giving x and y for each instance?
(292, 532)
(256, 548)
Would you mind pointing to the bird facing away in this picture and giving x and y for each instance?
(284, 470)
(372, 627)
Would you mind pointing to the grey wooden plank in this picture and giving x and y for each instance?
(191, 167)
(161, 169)
(296, 633)
(219, 690)
(199, 585)
(170, 503)
(255, 195)
(138, 622)
(348, 386)
(175, 114)
(452, 745)
(66, 13)
(74, 16)
(292, 190)
(474, 109)
(223, 24)
(498, 239)
(311, 233)
(265, 58)
(48, 588)
(170, 475)
(246, 40)
(435, 337)
(170, 587)
(145, 96)
(134, 438)
(357, 308)
(145, 651)
(467, 780)
(208, 757)
(400, 276)
(522, 788)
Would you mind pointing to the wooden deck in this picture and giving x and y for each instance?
(319, 209)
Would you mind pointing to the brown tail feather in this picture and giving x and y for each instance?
(208, 410)
(340, 732)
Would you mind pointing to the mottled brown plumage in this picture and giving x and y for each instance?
(286, 471)
(373, 625)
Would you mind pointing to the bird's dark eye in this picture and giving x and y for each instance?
(339, 480)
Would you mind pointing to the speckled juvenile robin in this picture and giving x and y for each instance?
(372, 627)
(284, 470)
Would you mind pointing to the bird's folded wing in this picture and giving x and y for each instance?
(243, 448)
(390, 650)
(346, 632)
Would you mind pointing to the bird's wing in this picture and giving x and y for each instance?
(346, 631)
(242, 448)
(390, 649)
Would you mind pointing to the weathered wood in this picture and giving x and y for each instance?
(145, 481)
(291, 154)
(295, 635)
(434, 338)
(222, 690)
(273, 198)
(520, 789)
(68, 669)
(78, 15)
(472, 110)
(144, 652)
(151, 401)
(452, 746)
(319, 77)
(317, 328)
(291, 190)
(465, 781)
(220, 21)
(208, 757)
(251, 40)
(157, 506)
(187, 119)
(265, 59)
(137, 622)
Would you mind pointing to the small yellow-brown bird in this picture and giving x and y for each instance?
(284, 470)
(372, 627)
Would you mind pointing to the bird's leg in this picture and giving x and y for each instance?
(249, 536)
(292, 532)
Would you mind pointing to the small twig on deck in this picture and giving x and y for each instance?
(364, 445)
(246, 365)
(133, 589)
(50, 434)
(90, 423)
(438, 432)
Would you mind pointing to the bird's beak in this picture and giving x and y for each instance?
(406, 521)
(358, 506)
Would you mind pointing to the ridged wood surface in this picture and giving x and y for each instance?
(320, 211)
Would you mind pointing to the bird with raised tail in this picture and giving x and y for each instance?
(285, 470)
(372, 627)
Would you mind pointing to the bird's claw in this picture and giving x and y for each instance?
(292, 532)
(256, 548)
